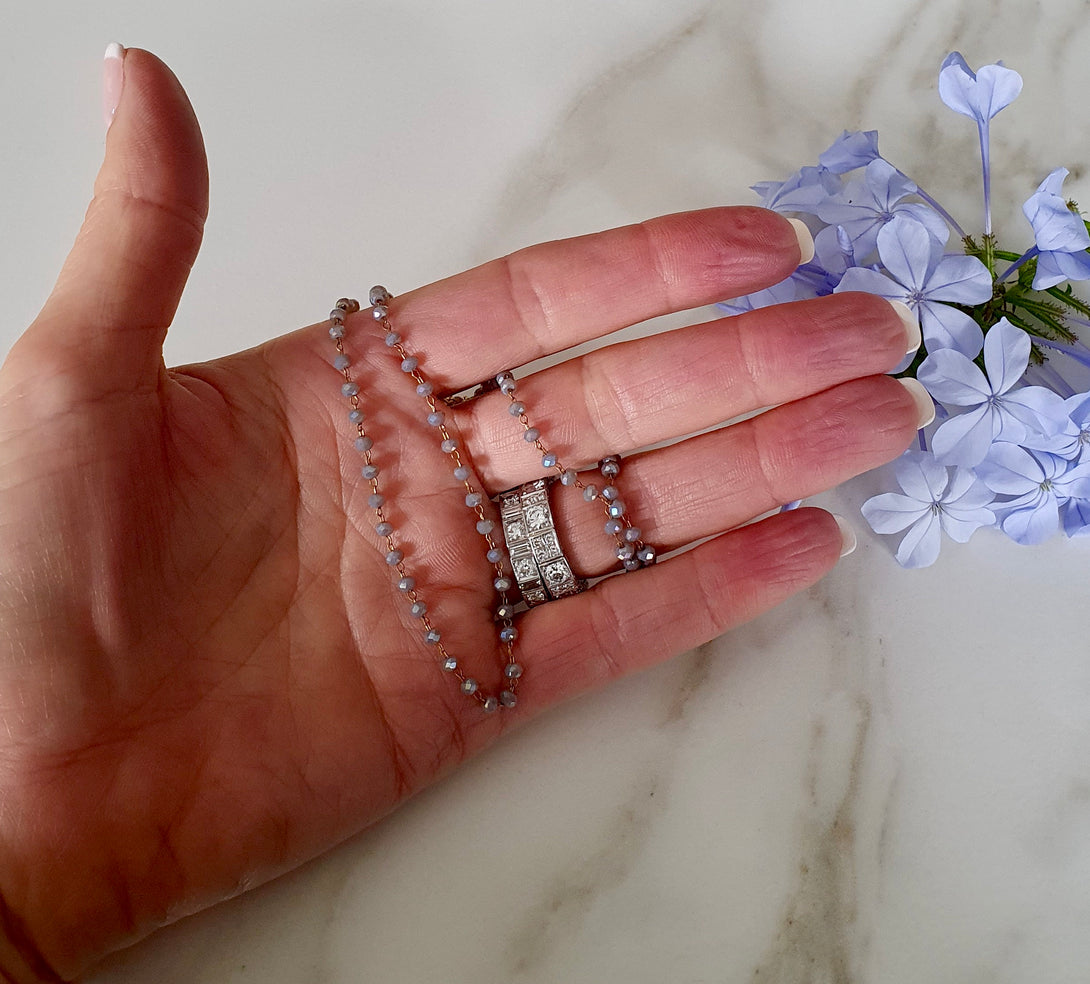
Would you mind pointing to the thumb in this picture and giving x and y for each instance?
(107, 316)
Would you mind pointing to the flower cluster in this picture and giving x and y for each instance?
(1010, 446)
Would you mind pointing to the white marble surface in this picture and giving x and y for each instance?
(885, 780)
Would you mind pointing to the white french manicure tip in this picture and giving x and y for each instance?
(913, 334)
(806, 241)
(848, 540)
(114, 50)
(925, 406)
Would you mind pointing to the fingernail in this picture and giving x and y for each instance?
(848, 540)
(914, 337)
(113, 78)
(925, 406)
(806, 241)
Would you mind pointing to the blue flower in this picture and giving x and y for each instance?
(1040, 484)
(1060, 234)
(936, 500)
(928, 282)
(996, 411)
(850, 150)
(864, 206)
(1076, 517)
(801, 192)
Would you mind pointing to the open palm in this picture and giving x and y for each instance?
(207, 674)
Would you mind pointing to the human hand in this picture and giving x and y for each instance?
(207, 675)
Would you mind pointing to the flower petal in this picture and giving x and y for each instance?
(945, 327)
(1006, 355)
(905, 248)
(921, 476)
(1010, 470)
(959, 280)
(954, 379)
(920, 546)
(1034, 524)
(871, 282)
(965, 439)
(891, 512)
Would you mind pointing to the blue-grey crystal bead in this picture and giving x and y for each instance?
(379, 311)
(431, 637)
(406, 584)
(507, 387)
(383, 529)
(508, 633)
(392, 338)
(364, 443)
(336, 331)
(502, 583)
(424, 389)
(449, 445)
(436, 417)
(379, 295)
(512, 671)
(375, 500)
(369, 472)
(341, 362)
(609, 493)
(394, 557)
(590, 493)
(613, 527)
(349, 304)
(549, 460)
(626, 550)
(632, 564)
(616, 508)
(632, 534)
(417, 609)
(507, 698)
(469, 686)
(531, 435)
(409, 363)
(502, 376)
(490, 705)
(494, 556)
(450, 664)
(355, 415)
(647, 554)
(505, 611)
(336, 315)
(473, 499)
(485, 526)
(610, 467)
(517, 409)
(461, 473)
(349, 389)
(568, 477)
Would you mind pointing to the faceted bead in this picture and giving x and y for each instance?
(461, 473)
(517, 409)
(406, 584)
(616, 508)
(436, 417)
(348, 304)
(494, 556)
(450, 664)
(355, 415)
(590, 493)
(392, 338)
(512, 671)
(507, 698)
(507, 387)
(502, 377)
(384, 529)
(473, 499)
(609, 493)
(626, 550)
(337, 316)
(417, 609)
(375, 500)
(431, 637)
(502, 583)
(424, 389)
(449, 445)
(632, 564)
(632, 534)
(613, 526)
(568, 477)
(505, 612)
(508, 634)
(379, 311)
(341, 362)
(549, 460)
(485, 526)
(647, 554)
(490, 705)
(379, 295)
(531, 435)
(336, 330)
(350, 389)
(469, 686)
(364, 443)
(369, 472)
(610, 466)
(394, 557)
(409, 363)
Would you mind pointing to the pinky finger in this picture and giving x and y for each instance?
(633, 621)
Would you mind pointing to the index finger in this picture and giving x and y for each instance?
(549, 297)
